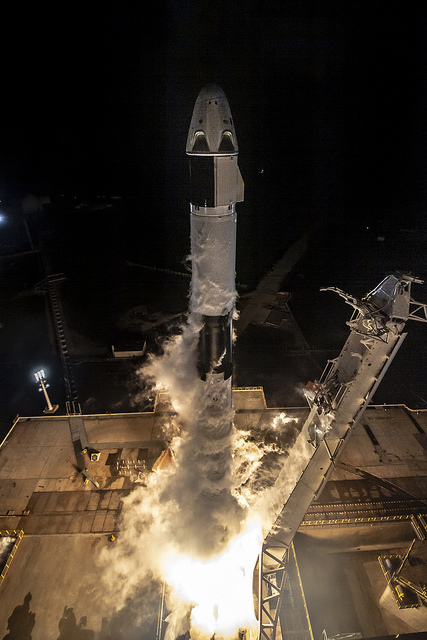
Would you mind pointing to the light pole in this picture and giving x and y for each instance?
(40, 378)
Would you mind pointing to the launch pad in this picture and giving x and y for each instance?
(342, 522)
(370, 507)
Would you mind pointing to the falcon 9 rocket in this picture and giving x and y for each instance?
(215, 187)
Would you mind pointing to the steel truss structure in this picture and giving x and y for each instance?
(337, 402)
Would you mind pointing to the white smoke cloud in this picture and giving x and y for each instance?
(200, 528)
(225, 480)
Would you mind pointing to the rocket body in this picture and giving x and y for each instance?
(215, 187)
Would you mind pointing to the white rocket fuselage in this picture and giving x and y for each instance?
(215, 187)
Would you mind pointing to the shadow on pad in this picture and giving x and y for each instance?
(70, 630)
(21, 623)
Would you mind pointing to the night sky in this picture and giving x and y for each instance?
(329, 99)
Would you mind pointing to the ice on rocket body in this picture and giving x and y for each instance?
(215, 187)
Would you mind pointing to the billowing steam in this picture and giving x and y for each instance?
(199, 529)
(203, 512)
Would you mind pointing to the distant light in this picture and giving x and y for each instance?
(40, 375)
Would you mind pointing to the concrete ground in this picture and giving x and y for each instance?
(347, 592)
(53, 590)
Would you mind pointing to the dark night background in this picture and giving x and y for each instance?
(329, 101)
(329, 97)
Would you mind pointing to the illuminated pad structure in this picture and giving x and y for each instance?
(337, 402)
(40, 378)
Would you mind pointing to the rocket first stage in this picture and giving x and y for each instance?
(215, 187)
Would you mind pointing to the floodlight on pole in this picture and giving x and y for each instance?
(40, 378)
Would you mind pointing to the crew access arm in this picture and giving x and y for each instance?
(337, 402)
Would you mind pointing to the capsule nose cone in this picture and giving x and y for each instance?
(211, 92)
(211, 129)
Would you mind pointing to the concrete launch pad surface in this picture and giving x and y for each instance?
(348, 591)
(42, 488)
(367, 509)
(71, 582)
(67, 521)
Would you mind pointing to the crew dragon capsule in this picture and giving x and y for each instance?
(215, 187)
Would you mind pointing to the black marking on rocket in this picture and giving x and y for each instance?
(215, 352)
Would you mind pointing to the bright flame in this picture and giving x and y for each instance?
(220, 590)
(280, 420)
(170, 526)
